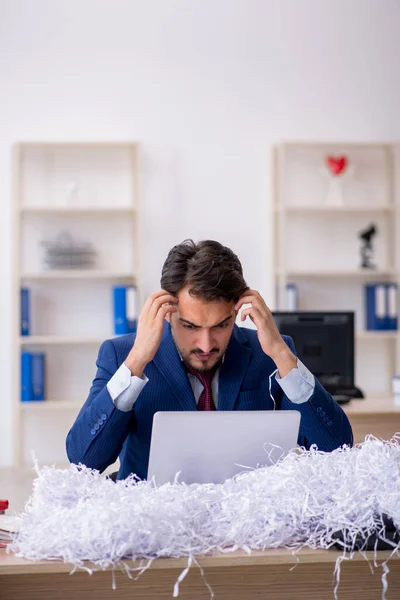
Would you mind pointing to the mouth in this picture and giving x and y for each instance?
(204, 356)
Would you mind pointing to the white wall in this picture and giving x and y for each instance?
(206, 86)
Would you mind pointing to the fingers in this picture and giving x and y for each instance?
(251, 297)
(253, 313)
(158, 300)
(164, 310)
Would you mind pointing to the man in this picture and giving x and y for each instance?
(188, 354)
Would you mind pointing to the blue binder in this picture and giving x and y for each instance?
(381, 306)
(25, 312)
(120, 318)
(38, 376)
(26, 377)
(391, 291)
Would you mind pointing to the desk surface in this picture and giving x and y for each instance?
(233, 576)
(367, 406)
(13, 565)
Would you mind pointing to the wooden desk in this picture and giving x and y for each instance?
(379, 416)
(235, 576)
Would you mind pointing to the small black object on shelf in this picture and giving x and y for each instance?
(367, 251)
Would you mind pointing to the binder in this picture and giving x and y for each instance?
(26, 377)
(381, 306)
(25, 311)
(120, 318)
(375, 306)
(38, 376)
(391, 290)
(125, 309)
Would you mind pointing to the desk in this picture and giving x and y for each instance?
(379, 416)
(235, 576)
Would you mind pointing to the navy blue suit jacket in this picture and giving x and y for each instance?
(101, 432)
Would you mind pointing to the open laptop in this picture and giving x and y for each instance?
(210, 447)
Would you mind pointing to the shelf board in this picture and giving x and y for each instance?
(59, 340)
(78, 145)
(377, 335)
(78, 210)
(77, 274)
(341, 146)
(345, 273)
(321, 208)
(51, 405)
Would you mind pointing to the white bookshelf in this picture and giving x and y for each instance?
(90, 190)
(317, 243)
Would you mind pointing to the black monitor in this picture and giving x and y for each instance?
(324, 342)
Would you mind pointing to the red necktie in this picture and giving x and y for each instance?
(205, 401)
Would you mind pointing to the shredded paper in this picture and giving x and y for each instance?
(308, 499)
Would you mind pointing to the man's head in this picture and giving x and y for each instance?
(207, 279)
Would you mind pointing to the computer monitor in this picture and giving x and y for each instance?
(324, 342)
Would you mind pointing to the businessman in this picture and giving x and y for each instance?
(188, 354)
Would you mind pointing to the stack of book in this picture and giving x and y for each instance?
(8, 527)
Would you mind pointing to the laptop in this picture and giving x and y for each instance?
(212, 446)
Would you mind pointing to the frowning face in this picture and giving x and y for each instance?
(201, 329)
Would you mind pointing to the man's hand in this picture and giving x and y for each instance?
(149, 331)
(268, 334)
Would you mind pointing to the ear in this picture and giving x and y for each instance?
(168, 317)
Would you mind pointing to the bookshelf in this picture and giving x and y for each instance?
(91, 192)
(317, 245)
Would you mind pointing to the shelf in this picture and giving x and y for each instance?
(77, 274)
(77, 210)
(51, 405)
(377, 335)
(356, 273)
(321, 208)
(55, 340)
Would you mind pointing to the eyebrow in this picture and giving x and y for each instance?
(198, 326)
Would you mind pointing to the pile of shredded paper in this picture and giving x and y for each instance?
(306, 499)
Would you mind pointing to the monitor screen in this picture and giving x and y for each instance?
(324, 342)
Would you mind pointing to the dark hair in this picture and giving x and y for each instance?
(212, 271)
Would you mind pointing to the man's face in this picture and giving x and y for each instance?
(201, 330)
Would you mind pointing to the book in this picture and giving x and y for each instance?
(125, 309)
(25, 311)
(38, 376)
(381, 306)
(8, 527)
(26, 377)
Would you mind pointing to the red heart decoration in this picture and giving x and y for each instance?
(336, 164)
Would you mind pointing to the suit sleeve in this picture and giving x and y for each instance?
(323, 421)
(100, 429)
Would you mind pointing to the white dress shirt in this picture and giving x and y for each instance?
(124, 388)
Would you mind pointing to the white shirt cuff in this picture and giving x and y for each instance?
(124, 388)
(298, 385)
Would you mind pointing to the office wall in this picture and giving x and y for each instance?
(206, 86)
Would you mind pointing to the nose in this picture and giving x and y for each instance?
(205, 342)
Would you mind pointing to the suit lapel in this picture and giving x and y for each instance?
(169, 363)
(237, 357)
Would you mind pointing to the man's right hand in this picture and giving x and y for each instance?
(149, 331)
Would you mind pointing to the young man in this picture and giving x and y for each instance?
(188, 354)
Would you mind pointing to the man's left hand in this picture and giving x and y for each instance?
(268, 334)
